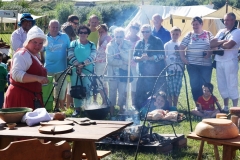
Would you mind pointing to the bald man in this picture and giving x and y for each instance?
(158, 30)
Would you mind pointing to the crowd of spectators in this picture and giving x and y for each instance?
(145, 52)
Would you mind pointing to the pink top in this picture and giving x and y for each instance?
(133, 41)
(101, 54)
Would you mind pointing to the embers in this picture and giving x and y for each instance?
(131, 138)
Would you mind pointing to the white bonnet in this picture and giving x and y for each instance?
(35, 32)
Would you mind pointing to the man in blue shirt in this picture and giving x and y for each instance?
(56, 59)
(158, 30)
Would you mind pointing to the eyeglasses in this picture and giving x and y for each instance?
(119, 37)
(133, 27)
(145, 31)
(83, 33)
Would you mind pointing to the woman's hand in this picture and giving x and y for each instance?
(184, 60)
(42, 80)
(144, 57)
(182, 54)
(120, 45)
(79, 68)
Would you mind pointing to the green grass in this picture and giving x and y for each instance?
(6, 38)
(188, 153)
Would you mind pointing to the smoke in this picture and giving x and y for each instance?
(131, 115)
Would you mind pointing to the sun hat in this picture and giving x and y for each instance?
(35, 32)
(28, 17)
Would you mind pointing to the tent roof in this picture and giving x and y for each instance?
(13, 20)
(181, 17)
(222, 11)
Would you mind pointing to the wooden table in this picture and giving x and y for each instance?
(229, 145)
(83, 137)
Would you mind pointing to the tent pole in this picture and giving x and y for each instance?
(16, 24)
(128, 81)
(171, 20)
(1, 23)
(226, 6)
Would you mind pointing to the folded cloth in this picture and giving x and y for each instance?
(35, 117)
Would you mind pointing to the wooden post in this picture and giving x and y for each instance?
(200, 150)
(226, 6)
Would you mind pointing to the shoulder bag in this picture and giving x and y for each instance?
(220, 52)
(78, 91)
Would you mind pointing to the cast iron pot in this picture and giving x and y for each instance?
(97, 113)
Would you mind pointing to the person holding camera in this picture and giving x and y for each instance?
(195, 53)
(228, 41)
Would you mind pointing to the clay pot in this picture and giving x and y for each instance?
(217, 128)
(235, 111)
(59, 116)
(11, 125)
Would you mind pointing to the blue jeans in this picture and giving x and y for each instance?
(1, 99)
(198, 75)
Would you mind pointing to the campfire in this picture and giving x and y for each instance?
(131, 135)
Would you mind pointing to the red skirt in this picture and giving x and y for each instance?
(18, 97)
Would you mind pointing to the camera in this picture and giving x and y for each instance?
(218, 52)
(204, 53)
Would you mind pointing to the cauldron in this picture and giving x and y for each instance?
(97, 113)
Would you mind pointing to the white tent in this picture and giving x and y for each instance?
(181, 17)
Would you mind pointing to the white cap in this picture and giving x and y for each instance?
(35, 32)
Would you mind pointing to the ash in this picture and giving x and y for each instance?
(131, 135)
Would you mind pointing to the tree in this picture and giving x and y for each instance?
(63, 10)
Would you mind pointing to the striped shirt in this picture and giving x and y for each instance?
(196, 45)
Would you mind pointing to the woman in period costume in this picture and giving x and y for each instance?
(27, 73)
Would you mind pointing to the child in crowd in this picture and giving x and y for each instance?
(3, 75)
(206, 103)
(9, 66)
(159, 102)
(175, 70)
(1, 59)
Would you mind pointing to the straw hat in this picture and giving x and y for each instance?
(35, 32)
(27, 17)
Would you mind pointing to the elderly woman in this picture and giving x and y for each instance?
(133, 38)
(197, 57)
(81, 54)
(27, 73)
(100, 61)
(117, 61)
(149, 53)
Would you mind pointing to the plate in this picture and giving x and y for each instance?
(54, 123)
(55, 129)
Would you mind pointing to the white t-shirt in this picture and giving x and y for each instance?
(21, 63)
(233, 53)
(173, 56)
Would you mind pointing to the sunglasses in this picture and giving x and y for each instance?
(119, 37)
(76, 23)
(145, 31)
(133, 27)
(83, 33)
